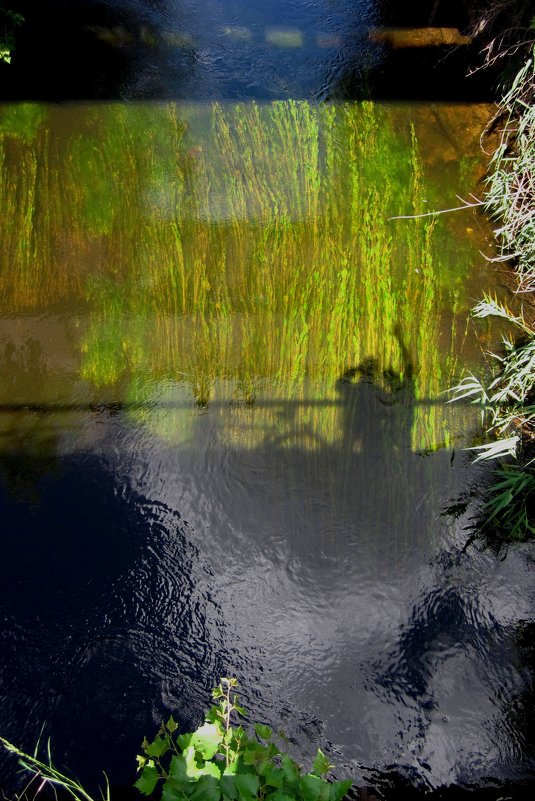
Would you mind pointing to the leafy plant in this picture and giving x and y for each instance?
(221, 762)
(512, 500)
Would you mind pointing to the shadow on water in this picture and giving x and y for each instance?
(319, 576)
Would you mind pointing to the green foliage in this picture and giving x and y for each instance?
(9, 22)
(511, 504)
(511, 195)
(508, 399)
(221, 762)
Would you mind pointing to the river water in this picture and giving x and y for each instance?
(224, 443)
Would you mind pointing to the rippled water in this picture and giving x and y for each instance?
(224, 447)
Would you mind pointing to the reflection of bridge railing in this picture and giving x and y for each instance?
(118, 406)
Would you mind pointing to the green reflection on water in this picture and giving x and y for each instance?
(245, 251)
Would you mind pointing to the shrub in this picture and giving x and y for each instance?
(220, 762)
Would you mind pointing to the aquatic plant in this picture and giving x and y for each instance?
(241, 246)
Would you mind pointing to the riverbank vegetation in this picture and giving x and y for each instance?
(217, 762)
(508, 398)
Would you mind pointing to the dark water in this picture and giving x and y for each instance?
(238, 50)
(224, 448)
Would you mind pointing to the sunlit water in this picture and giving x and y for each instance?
(224, 444)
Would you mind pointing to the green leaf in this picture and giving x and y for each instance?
(321, 764)
(183, 741)
(247, 785)
(170, 793)
(310, 787)
(337, 790)
(158, 747)
(290, 769)
(171, 725)
(178, 770)
(148, 779)
(206, 740)
(274, 776)
(211, 769)
(228, 786)
(264, 732)
(254, 753)
(193, 770)
(206, 789)
(278, 795)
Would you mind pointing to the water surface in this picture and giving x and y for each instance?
(224, 444)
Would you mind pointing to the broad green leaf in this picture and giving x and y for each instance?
(278, 795)
(274, 776)
(193, 770)
(210, 769)
(158, 747)
(264, 732)
(228, 786)
(206, 740)
(148, 779)
(311, 787)
(290, 768)
(254, 754)
(206, 789)
(178, 770)
(247, 785)
(337, 790)
(183, 741)
(171, 793)
(321, 764)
